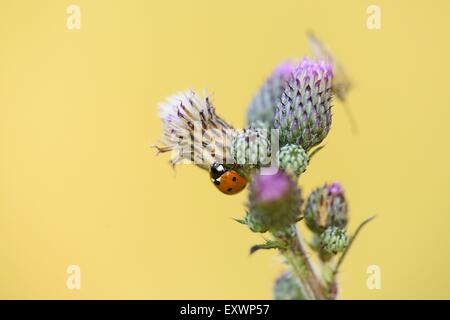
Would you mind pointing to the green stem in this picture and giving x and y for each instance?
(300, 271)
(296, 256)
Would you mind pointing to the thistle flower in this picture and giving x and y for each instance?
(261, 110)
(193, 131)
(293, 159)
(303, 114)
(251, 147)
(297, 101)
(334, 240)
(274, 201)
(287, 287)
(326, 206)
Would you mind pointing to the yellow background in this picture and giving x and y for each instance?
(80, 185)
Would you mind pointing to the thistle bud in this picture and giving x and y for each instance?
(274, 201)
(251, 147)
(293, 159)
(333, 240)
(326, 206)
(261, 110)
(287, 287)
(303, 113)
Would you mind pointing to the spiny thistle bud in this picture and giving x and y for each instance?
(261, 110)
(251, 147)
(193, 131)
(293, 159)
(334, 240)
(274, 201)
(254, 225)
(303, 114)
(287, 287)
(326, 206)
(315, 244)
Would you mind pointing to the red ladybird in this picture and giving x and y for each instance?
(227, 181)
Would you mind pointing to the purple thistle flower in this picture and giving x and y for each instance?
(274, 202)
(326, 206)
(303, 113)
(335, 189)
(270, 188)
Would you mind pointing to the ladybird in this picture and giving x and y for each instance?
(227, 181)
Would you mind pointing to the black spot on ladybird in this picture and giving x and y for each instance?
(230, 189)
(234, 179)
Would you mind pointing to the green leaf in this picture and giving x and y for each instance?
(315, 151)
(270, 244)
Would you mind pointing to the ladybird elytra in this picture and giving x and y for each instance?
(227, 181)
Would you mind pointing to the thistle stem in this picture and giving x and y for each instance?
(300, 271)
(296, 256)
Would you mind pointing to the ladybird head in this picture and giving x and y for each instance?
(216, 171)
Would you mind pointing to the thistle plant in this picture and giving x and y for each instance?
(287, 120)
(260, 111)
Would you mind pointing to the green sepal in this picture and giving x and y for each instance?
(241, 221)
(252, 224)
